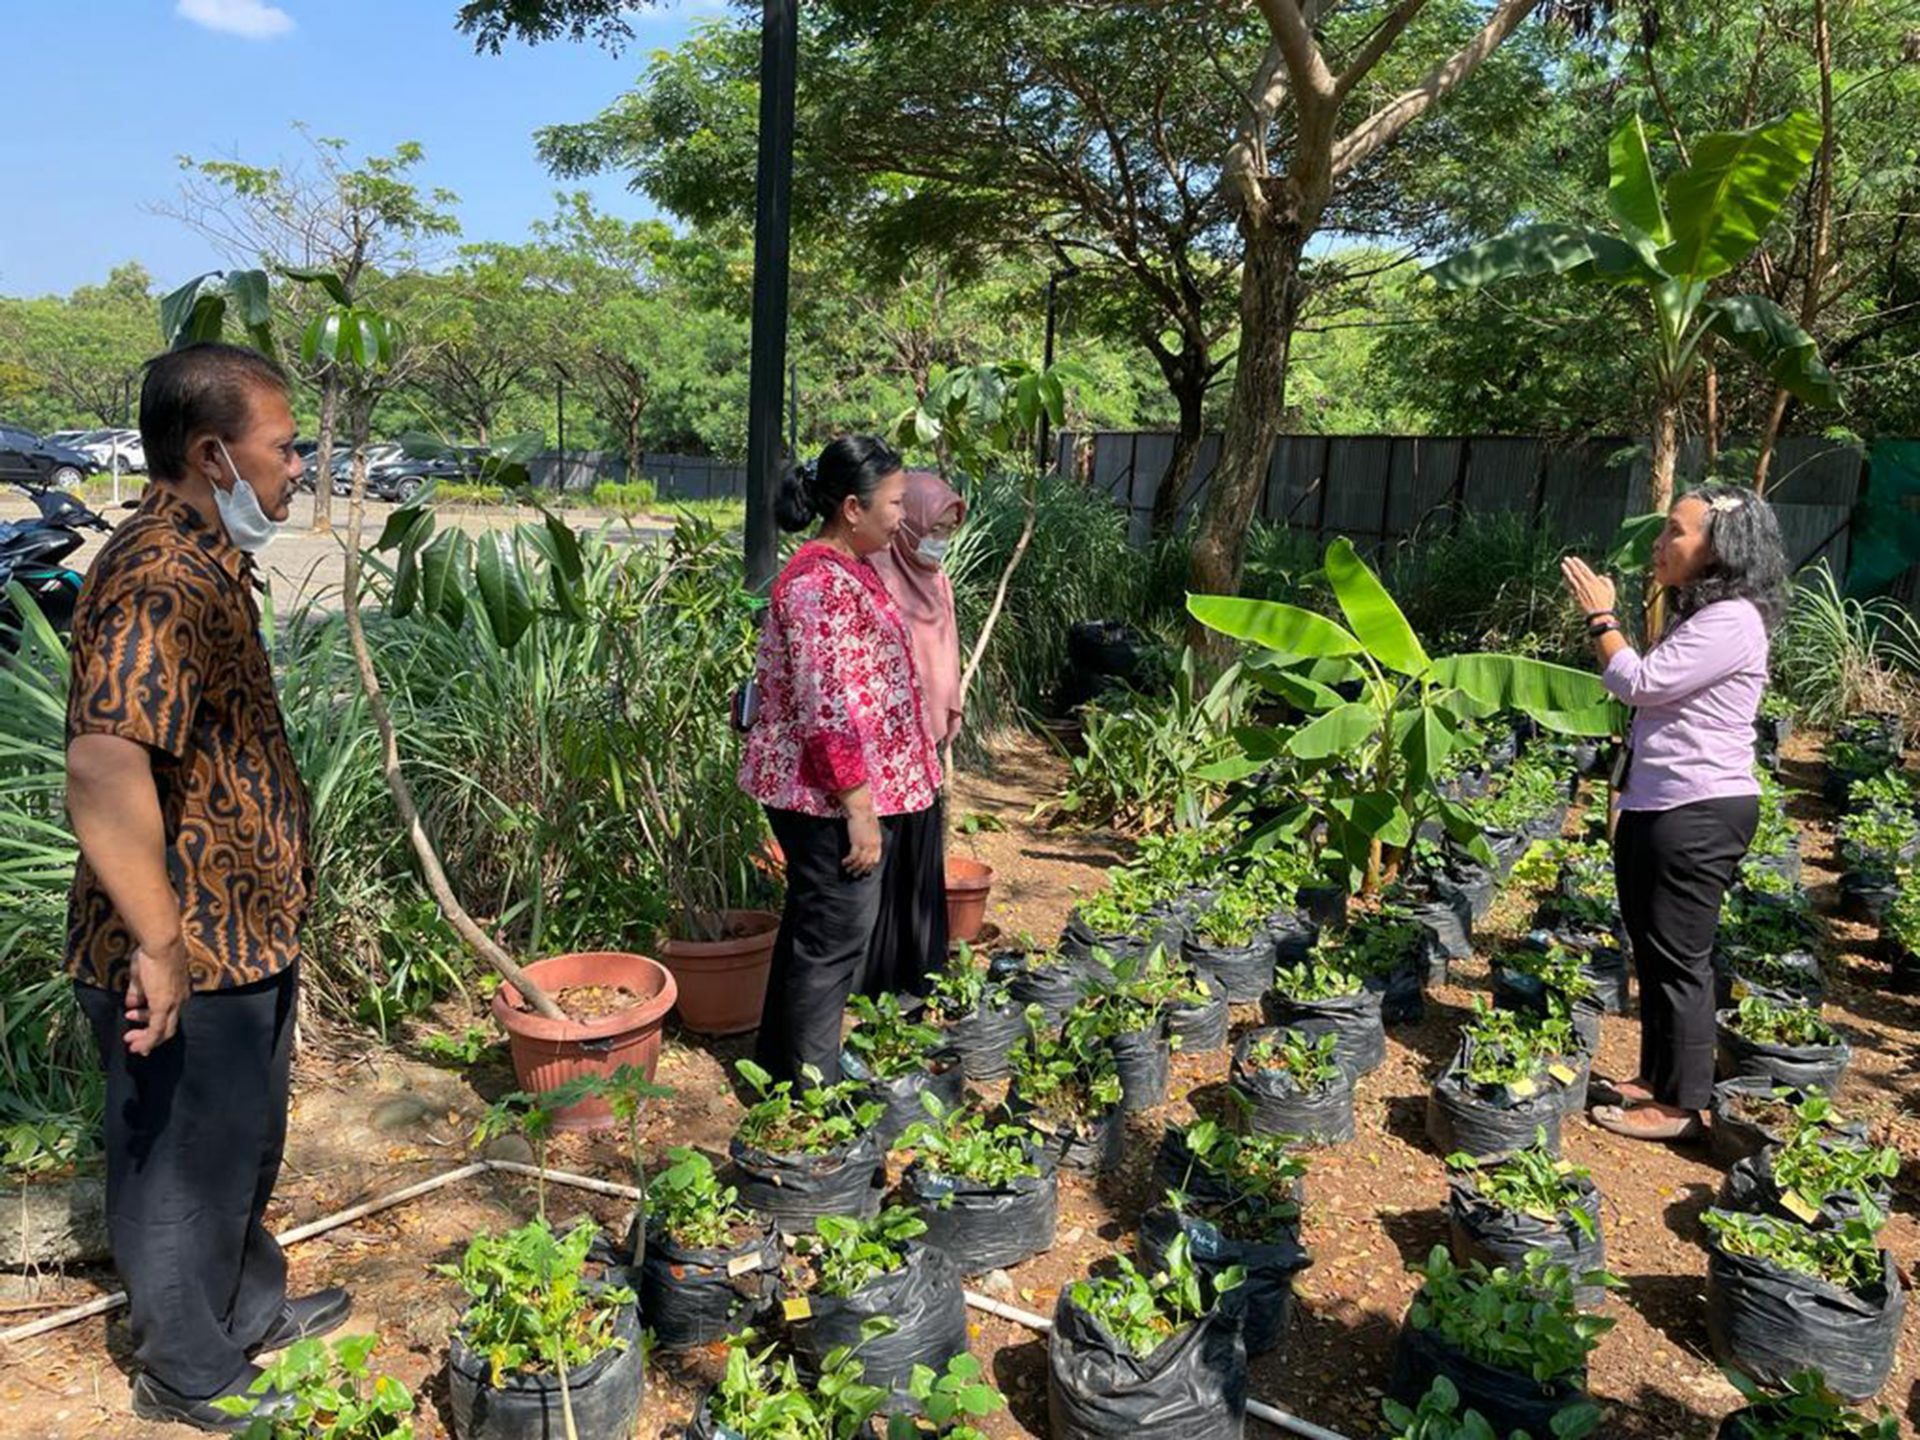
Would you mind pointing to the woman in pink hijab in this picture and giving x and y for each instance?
(910, 939)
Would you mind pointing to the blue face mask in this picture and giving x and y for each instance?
(933, 549)
(248, 526)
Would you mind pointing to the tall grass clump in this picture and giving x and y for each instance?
(1838, 657)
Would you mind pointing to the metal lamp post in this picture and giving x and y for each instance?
(773, 215)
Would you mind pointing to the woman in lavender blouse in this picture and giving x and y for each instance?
(1690, 801)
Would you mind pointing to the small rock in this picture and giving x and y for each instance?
(400, 1113)
(1072, 1235)
(998, 1283)
(508, 1147)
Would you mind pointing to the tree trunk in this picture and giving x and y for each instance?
(1189, 385)
(431, 869)
(323, 454)
(1269, 309)
(1666, 456)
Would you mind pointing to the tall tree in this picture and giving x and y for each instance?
(84, 351)
(366, 225)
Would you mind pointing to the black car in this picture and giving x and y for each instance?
(26, 459)
(401, 479)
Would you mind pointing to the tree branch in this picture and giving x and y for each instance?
(1376, 46)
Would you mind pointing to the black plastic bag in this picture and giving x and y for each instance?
(1470, 884)
(693, 1297)
(1244, 971)
(1446, 917)
(923, 1298)
(1085, 1147)
(1276, 1107)
(944, 1079)
(1792, 977)
(1142, 1059)
(1055, 987)
(1161, 930)
(1480, 1230)
(1735, 1136)
(1104, 647)
(1403, 989)
(795, 1190)
(1484, 1120)
(984, 1039)
(1354, 1019)
(1506, 1399)
(1518, 990)
(1265, 1297)
(1323, 906)
(986, 1227)
(1192, 1387)
(1771, 1322)
(1803, 1067)
(1751, 1186)
(605, 1393)
(1201, 1029)
(1175, 1167)
(1867, 895)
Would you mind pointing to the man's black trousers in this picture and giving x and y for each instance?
(194, 1135)
(1672, 869)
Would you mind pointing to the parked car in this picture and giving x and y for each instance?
(112, 449)
(379, 453)
(27, 459)
(401, 479)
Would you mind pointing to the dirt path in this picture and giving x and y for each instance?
(368, 1121)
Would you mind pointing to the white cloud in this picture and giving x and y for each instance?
(249, 19)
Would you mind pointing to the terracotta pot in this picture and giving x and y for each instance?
(968, 882)
(723, 983)
(547, 1052)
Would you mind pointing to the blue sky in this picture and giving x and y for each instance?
(102, 95)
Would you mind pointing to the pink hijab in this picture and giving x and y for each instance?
(925, 597)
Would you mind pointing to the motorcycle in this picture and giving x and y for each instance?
(30, 556)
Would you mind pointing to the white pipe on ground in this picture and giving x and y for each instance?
(106, 1304)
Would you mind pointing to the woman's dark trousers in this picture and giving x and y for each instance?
(1672, 869)
(194, 1134)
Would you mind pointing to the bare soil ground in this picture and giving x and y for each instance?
(368, 1121)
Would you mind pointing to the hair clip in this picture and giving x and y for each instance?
(1722, 504)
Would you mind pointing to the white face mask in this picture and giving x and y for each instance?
(248, 526)
(933, 549)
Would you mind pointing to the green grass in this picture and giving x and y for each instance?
(721, 514)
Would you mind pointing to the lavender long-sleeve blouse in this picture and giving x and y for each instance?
(1694, 696)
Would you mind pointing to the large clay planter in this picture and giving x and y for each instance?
(547, 1052)
(968, 882)
(723, 983)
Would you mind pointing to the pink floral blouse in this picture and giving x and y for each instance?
(840, 703)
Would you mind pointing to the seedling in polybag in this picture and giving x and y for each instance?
(1525, 1320)
(1141, 1311)
(1531, 1182)
(819, 1119)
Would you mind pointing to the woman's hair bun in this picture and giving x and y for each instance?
(795, 503)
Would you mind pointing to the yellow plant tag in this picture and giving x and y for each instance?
(1563, 1167)
(741, 1264)
(1798, 1206)
(1522, 1087)
(797, 1308)
(1738, 990)
(1561, 1073)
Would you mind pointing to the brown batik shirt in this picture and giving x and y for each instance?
(167, 652)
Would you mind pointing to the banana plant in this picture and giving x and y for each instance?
(1670, 242)
(1381, 716)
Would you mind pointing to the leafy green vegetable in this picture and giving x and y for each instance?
(1847, 1256)
(1142, 1312)
(532, 1308)
(847, 1255)
(1521, 1320)
(818, 1120)
(690, 1205)
(963, 1143)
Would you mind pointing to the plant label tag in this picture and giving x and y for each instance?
(741, 1264)
(1798, 1206)
(1739, 990)
(796, 1309)
(1204, 1237)
(1522, 1088)
(1563, 1074)
(1563, 1167)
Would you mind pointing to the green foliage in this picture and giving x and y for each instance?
(1902, 919)
(335, 1395)
(1307, 1060)
(886, 1042)
(948, 1402)
(1765, 1022)
(1837, 657)
(1847, 1256)
(816, 1120)
(1236, 916)
(1440, 1417)
(1141, 1312)
(532, 1309)
(848, 1255)
(1512, 1048)
(1260, 1175)
(762, 1397)
(689, 1204)
(1816, 1164)
(1523, 1320)
(627, 497)
(1529, 788)
(1805, 1409)
(1531, 1181)
(964, 1142)
(1066, 1078)
(964, 987)
(1316, 980)
(465, 1048)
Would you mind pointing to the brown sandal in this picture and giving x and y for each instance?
(1605, 1091)
(1614, 1119)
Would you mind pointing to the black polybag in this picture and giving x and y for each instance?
(1264, 1297)
(1481, 1230)
(1752, 1186)
(1275, 1106)
(795, 1190)
(1447, 917)
(1521, 991)
(693, 1297)
(923, 1298)
(1483, 1120)
(1506, 1399)
(1244, 971)
(1735, 1136)
(1086, 1147)
(1055, 987)
(1803, 1067)
(984, 1039)
(943, 1078)
(604, 1393)
(986, 1227)
(1161, 930)
(1354, 1019)
(1323, 906)
(1201, 1028)
(1602, 960)
(1403, 988)
(1468, 883)
(1771, 1322)
(1792, 977)
(1192, 1387)
(1142, 1059)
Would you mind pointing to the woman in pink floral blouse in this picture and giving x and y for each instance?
(840, 755)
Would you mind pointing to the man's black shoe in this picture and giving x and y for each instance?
(154, 1401)
(308, 1317)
